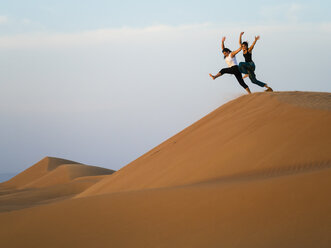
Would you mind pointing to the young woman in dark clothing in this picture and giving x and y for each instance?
(230, 59)
(248, 67)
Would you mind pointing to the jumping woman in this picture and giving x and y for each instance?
(230, 59)
(248, 67)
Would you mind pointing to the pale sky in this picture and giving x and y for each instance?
(103, 82)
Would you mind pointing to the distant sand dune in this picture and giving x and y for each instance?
(36, 171)
(254, 173)
(49, 180)
(66, 173)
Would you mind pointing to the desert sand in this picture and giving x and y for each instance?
(49, 180)
(256, 172)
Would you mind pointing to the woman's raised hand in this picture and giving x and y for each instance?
(242, 33)
(257, 37)
(223, 39)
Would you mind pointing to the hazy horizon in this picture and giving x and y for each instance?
(103, 82)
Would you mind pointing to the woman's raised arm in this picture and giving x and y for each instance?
(223, 39)
(241, 34)
(235, 52)
(252, 46)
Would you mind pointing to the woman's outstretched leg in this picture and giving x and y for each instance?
(221, 72)
(216, 76)
(248, 90)
(248, 69)
(252, 77)
(241, 81)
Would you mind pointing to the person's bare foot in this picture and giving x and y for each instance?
(248, 90)
(212, 76)
(268, 89)
(245, 76)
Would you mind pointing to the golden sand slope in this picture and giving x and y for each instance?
(252, 133)
(254, 173)
(66, 173)
(51, 179)
(287, 211)
(35, 172)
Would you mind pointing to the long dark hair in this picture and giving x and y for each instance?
(226, 50)
(245, 43)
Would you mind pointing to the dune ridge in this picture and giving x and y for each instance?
(36, 171)
(66, 173)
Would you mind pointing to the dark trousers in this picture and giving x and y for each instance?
(249, 68)
(235, 71)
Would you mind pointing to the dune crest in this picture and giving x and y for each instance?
(36, 171)
(65, 173)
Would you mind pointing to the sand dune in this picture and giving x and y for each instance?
(252, 133)
(49, 180)
(35, 172)
(66, 173)
(253, 173)
(285, 211)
